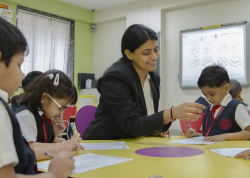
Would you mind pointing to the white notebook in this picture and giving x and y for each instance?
(193, 141)
(229, 152)
(87, 162)
(105, 146)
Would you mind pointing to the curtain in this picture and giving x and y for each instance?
(48, 41)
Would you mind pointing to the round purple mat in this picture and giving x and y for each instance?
(169, 152)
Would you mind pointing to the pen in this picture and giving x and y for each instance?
(50, 155)
(190, 128)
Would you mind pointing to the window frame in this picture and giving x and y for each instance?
(71, 59)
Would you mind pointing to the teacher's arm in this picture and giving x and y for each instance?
(185, 111)
(118, 95)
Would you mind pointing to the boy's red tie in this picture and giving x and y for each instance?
(214, 109)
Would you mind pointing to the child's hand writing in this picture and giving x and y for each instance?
(215, 138)
(63, 164)
(191, 133)
(243, 154)
(73, 144)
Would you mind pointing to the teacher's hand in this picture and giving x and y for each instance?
(187, 111)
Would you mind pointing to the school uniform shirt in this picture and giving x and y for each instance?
(242, 117)
(31, 125)
(8, 153)
(148, 95)
(28, 125)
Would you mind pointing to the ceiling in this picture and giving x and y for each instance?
(97, 4)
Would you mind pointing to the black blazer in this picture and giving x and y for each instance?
(122, 111)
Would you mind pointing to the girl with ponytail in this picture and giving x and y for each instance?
(42, 104)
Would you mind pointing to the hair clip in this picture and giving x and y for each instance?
(51, 76)
(56, 81)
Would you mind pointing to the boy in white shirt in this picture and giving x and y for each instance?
(16, 157)
(226, 118)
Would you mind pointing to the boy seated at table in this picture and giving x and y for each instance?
(226, 118)
(236, 92)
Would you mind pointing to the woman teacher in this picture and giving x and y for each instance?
(130, 93)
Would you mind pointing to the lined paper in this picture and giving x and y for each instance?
(229, 152)
(87, 162)
(105, 146)
(193, 141)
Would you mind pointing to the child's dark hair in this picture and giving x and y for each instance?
(12, 41)
(235, 88)
(29, 77)
(213, 76)
(44, 84)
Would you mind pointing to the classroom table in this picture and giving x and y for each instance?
(206, 165)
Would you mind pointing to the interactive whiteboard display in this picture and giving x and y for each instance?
(225, 45)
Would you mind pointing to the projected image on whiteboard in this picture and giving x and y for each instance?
(202, 48)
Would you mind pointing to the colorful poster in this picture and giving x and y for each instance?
(4, 6)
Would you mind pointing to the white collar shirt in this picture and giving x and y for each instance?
(8, 153)
(242, 117)
(148, 95)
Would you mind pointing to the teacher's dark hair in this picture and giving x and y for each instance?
(135, 36)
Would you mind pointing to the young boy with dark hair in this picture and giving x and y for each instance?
(226, 118)
(16, 157)
(235, 90)
(30, 77)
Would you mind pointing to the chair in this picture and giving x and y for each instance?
(74, 109)
(66, 119)
(83, 117)
(195, 125)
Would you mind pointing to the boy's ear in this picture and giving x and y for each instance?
(239, 94)
(227, 88)
(1, 55)
(44, 97)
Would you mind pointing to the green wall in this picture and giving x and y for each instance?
(83, 36)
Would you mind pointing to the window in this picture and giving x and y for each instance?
(49, 41)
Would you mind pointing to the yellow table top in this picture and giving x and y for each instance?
(209, 164)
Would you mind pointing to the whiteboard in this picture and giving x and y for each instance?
(225, 45)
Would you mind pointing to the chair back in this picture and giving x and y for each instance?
(74, 109)
(83, 117)
(195, 125)
(66, 115)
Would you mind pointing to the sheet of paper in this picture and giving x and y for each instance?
(87, 162)
(105, 146)
(193, 141)
(229, 152)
